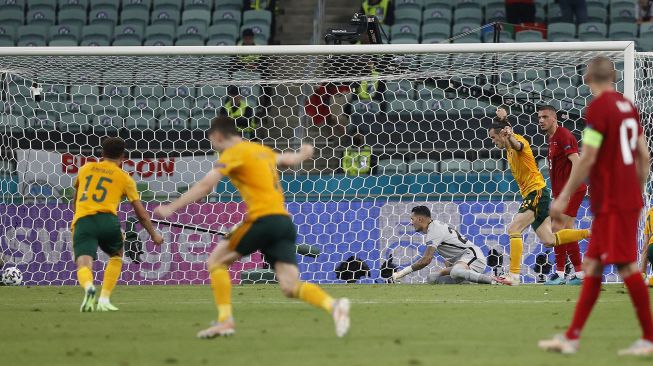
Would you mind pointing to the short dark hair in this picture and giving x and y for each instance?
(421, 211)
(113, 147)
(248, 32)
(547, 107)
(233, 90)
(225, 125)
(499, 124)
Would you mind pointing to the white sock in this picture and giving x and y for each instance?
(103, 300)
(561, 274)
(580, 275)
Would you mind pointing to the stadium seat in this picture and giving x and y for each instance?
(69, 122)
(432, 4)
(126, 42)
(169, 15)
(460, 28)
(131, 5)
(592, 29)
(603, 3)
(436, 30)
(160, 30)
(597, 14)
(486, 165)
(43, 120)
(404, 30)
(73, 4)
(422, 166)
(7, 42)
(455, 165)
(623, 12)
(106, 123)
(32, 4)
(129, 31)
(227, 29)
(561, 29)
(13, 123)
(135, 16)
(554, 14)
(12, 17)
(437, 15)
(261, 32)
(204, 5)
(72, 16)
(408, 4)
(95, 41)
(158, 41)
(221, 40)
(195, 30)
(63, 43)
(103, 15)
(469, 4)
(7, 5)
(105, 4)
(495, 13)
(196, 15)
(623, 31)
(32, 33)
(391, 167)
(646, 30)
(157, 92)
(97, 32)
(257, 17)
(85, 94)
(65, 31)
(140, 120)
(41, 16)
(468, 15)
(113, 91)
(529, 36)
(174, 120)
(645, 44)
(236, 5)
(7, 32)
(408, 16)
(227, 17)
(156, 4)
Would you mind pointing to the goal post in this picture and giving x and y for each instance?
(394, 126)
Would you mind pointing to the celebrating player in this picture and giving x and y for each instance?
(562, 156)
(103, 185)
(534, 209)
(647, 247)
(252, 168)
(468, 260)
(616, 158)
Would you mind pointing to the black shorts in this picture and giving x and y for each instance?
(275, 236)
(537, 201)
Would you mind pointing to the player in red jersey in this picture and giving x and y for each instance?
(616, 159)
(562, 156)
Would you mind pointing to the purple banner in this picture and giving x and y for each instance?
(37, 239)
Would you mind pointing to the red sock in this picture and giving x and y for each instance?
(639, 295)
(573, 250)
(561, 257)
(588, 295)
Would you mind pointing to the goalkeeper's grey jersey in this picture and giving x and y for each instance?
(448, 242)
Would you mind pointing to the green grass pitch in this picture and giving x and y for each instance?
(391, 325)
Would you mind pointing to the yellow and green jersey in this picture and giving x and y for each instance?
(524, 169)
(100, 188)
(648, 226)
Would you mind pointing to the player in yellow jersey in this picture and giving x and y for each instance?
(99, 189)
(267, 227)
(534, 210)
(647, 247)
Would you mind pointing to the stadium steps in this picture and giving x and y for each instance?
(339, 13)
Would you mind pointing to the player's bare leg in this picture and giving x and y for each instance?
(519, 223)
(111, 275)
(218, 265)
(292, 287)
(85, 279)
(568, 342)
(641, 302)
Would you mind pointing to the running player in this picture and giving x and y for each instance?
(562, 156)
(468, 260)
(616, 159)
(99, 188)
(252, 168)
(534, 210)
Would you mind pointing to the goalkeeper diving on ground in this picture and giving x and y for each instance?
(252, 168)
(467, 260)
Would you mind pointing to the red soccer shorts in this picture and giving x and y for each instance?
(614, 237)
(574, 204)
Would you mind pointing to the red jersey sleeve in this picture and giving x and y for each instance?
(569, 144)
(595, 118)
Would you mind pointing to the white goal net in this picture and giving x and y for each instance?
(394, 126)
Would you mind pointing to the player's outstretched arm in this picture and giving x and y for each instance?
(144, 219)
(198, 191)
(291, 159)
(643, 161)
(421, 263)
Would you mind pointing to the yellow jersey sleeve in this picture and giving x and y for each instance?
(648, 223)
(227, 162)
(130, 189)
